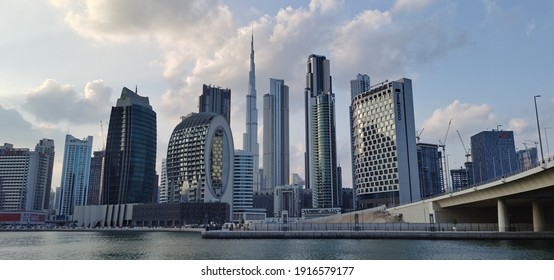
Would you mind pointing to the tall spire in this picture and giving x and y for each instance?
(250, 138)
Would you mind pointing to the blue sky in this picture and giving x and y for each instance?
(63, 63)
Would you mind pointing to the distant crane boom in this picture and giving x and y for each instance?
(102, 136)
(463, 145)
(418, 134)
(445, 166)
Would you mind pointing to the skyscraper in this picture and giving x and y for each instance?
(45, 150)
(130, 163)
(359, 85)
(200, 159)
(430, 170)
(321, 152)
(250, 137)
(215, 100)
(384, 158)
(276, 135)
(75, 174)
(95, 178)
(18, 178)
(163, 196)
(243, 176)
(494, 154)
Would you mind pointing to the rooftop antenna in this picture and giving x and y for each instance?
(136, 89)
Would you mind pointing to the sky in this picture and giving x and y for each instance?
(63, 64)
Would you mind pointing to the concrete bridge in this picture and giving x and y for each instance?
(523, 198)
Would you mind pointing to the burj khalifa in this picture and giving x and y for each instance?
(250, 137)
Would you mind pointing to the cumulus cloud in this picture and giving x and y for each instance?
(467, 118)
(14, 127)
(387, 48)
(518, 125)
(200, 42)
(52, 102)
(410, 5)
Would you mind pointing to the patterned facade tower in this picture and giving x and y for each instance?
(384, 157)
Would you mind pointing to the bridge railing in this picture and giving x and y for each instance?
(306, 226)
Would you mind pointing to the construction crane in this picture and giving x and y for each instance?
(102, 136)
(463, 145)
(445, 164)
(418, 134)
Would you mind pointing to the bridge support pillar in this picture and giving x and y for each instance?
(502, 215)
(538, 216)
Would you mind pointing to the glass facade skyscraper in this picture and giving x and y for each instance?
(276, 135)
(430, 170)
(321, 146)
(215, 100)
(493, 154)
(45, 150)
(75, 174)
(250, 137)
(130, 160)
(95, 178)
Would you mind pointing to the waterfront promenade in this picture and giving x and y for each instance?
(363, 232)
(418, 235)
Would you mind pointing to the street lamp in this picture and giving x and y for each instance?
(546, 138)
(538, 126)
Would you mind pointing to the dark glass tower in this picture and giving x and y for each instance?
(321, 151)
(493, 154)
(130, 159)
(215, 100)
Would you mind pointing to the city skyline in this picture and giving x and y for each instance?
(458, 55)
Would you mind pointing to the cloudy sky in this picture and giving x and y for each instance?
(63, 63)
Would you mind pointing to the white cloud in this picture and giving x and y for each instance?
(518, 125)
(410, 5)
(469, 119)
(200, 42)
(52, 102)
(385, 47)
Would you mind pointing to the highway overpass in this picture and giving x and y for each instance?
(523, 198)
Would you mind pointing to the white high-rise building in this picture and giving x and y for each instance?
(242, 180)
(164, 188)
(276, 135)
(384, 154)
(75, 174)
(250, 138)
(18, 178)
(321, 146)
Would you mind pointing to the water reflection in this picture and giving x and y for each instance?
(129, 245)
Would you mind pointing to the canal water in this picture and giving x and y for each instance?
(140, 245)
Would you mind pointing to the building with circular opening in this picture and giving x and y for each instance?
(200, 160)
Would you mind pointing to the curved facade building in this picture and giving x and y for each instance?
(200, 160)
